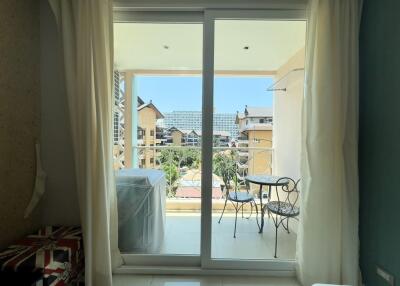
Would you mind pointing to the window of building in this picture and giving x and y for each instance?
(151, 132)
(262, 120)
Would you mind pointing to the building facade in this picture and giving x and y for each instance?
(191, 120)
(148, 114)
(255, 137)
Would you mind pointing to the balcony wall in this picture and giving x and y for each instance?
(287, 118)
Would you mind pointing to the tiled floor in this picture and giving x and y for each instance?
(148, 280)
(182, 236)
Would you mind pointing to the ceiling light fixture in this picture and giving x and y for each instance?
(166, 47)
(246, 47)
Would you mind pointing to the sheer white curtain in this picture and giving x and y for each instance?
(87, 40)
(328, 246)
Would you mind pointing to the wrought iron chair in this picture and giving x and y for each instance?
(233, 193)
(284, 207)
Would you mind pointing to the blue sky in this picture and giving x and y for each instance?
(181, 93)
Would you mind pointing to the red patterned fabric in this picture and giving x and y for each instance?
(54, 251)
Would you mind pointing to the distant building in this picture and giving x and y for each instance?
(255, 131)
(148, 114)
(191, 120)
(178, 137)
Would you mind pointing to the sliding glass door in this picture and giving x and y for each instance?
(245, 53)
(158, 146)
(197, 104)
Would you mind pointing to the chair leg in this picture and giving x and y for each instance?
(251, 210)
(236, 213)
(258, 224)
(276, 239)
(287, 225)
(242, 211)
(223, 211)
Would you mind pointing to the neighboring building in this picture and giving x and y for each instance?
(189, 185)
(174, 136)
(191, 120)
(160, 136)
(220, 138)
(255, 127)
(148, 114)
(192, 138)
(178, 137)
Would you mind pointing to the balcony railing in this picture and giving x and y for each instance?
(182, 166)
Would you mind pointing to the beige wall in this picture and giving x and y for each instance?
(19, 115)
(260, 160)
(242, 123)
(176, 138)
(147, 121)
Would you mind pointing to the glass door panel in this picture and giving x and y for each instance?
(157, 136)
(251, 117)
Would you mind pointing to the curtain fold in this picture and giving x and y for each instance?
(86, 32)
(327, 245)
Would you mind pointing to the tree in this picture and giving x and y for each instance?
(182, 157)
(190, 158)
(172, 176)
(224, 165)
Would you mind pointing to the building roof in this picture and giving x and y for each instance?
(172, 129)
(190, 131)
(258, 111)
(257, 127)
(139, 101)
(152, 106)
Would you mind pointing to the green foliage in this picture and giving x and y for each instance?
(224, 165)
(172, 176)
(172, 160)
(182, 157)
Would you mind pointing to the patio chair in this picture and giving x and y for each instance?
(284, 207)
(233, 193)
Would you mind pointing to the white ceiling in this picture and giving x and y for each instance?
(271, 44)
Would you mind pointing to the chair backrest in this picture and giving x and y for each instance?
(288, 193)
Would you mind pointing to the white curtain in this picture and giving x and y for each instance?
(328, 246)
(86, 32)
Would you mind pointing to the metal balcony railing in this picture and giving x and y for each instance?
(182, 166)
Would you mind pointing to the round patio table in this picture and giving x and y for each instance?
(265, 180)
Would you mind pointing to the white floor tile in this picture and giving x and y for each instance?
(147, 280)
(258, 281)
(132, 280)
(186, 281)
(182, 236)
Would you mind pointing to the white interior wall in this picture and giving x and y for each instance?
(287, 120)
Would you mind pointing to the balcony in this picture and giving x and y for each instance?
(182, 168)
